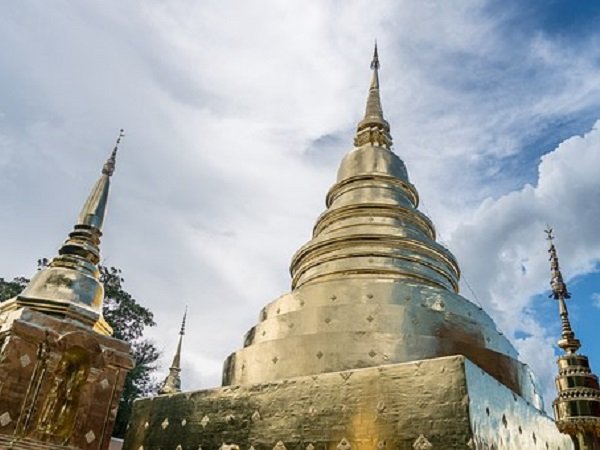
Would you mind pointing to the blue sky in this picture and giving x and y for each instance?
(236, 119)
(569, 20)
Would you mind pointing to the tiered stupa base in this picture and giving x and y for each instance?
(60, 382)
(443, 403)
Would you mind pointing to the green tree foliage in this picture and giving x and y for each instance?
(128, 319)
(9, 289)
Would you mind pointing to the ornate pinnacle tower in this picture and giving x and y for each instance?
(70, 286)
(577, 406)
(172, 383)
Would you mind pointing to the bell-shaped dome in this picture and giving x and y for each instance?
(371, 160)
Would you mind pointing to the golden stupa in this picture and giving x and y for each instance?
(373, 348)
(61, 373)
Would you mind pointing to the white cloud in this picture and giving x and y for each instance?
(506, 235)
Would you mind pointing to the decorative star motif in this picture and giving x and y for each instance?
(344, 445)
(165, 423)
(5, 419)
(279, 446)
(421, 443)
(204, 421)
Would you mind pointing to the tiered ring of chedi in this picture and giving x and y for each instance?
(373, 348)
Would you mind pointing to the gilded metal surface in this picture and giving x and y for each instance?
(372, 286)
(577, 406)
(355, 357)
(69, 286)
(373, 129)
(432, 404)
(362, 323)
(58, 413)
(61, 375)
(172, 383)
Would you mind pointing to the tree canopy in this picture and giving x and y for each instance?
(9, 289)
(129, 319)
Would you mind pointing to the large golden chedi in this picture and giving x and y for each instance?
(372, 349)
(373, 286)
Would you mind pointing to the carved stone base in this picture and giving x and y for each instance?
(60, 382)
(444, 403)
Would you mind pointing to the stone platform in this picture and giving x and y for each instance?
(443, 403)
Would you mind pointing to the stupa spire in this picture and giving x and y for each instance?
(373, 108)
(94, 209)
(373, 129)
(172, 383)
(568, 342)
(577, 405)
(70, 285)
(375, 60)
(177, 358)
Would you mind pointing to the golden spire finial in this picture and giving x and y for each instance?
(176, 364)
(373, 108)
(568, 342)
(172, 383)
(375, 60)
(373, 129)
(182, 330)
(109, 166)
(94, 209)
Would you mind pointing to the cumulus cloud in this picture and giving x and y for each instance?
(504, 254)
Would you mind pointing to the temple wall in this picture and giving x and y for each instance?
(387, 407)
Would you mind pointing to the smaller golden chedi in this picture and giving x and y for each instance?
(577, 406)
(172, 383)
(61, 374)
